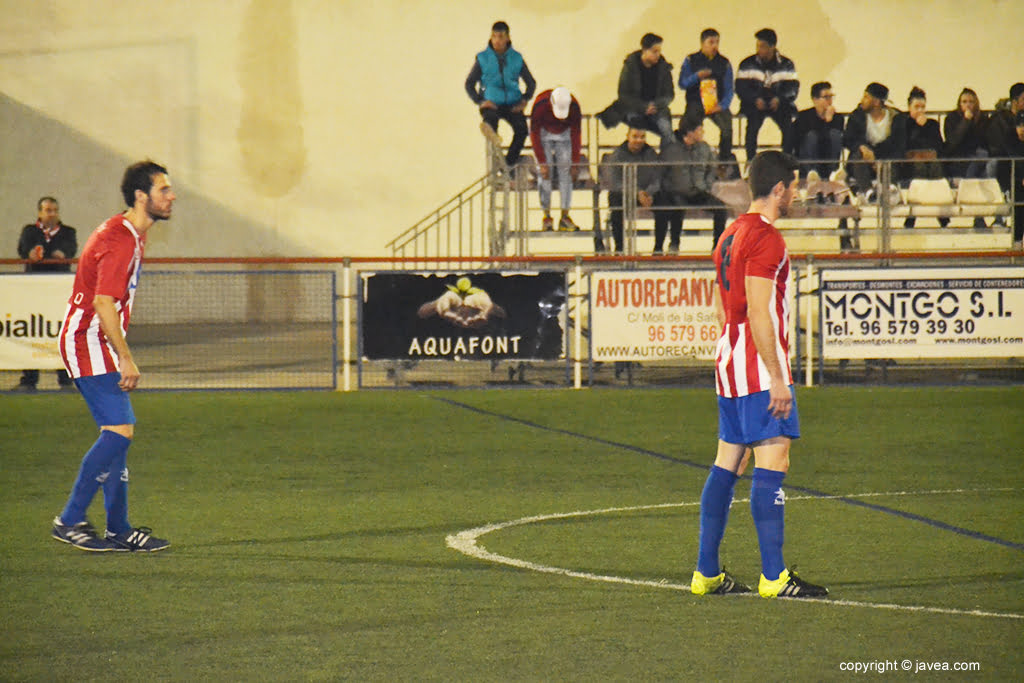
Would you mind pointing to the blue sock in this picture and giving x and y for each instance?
(768, 508)
(115, 493)
(93, 472)
(714, 514)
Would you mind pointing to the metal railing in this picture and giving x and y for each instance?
(497, 215)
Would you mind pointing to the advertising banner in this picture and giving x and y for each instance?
(653, 315)
(31, 312)
(463, 316)
(922, 313)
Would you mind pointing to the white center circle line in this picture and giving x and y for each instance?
(466, 542)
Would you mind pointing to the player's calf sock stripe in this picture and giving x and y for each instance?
(115, 494)
(767, 507)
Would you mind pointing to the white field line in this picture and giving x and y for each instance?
(466, 542)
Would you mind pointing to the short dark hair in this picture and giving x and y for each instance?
(1015, 90)
(499, 26)
(916, 94)
(42, 200)
(689, 122)
(650, 40)
(139, 176)
(708, 33)
(818, 87)
(768, 36)
(768, 169)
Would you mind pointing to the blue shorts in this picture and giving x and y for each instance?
(746, 420)
(107, 402)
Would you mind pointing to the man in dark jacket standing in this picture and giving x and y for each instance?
(498, 70)
(767, 86)
(645, 91)
(47, 238)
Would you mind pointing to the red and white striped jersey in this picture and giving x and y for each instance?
(109, 265)
(750, 246)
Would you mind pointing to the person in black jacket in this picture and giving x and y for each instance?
(818, 132)
(1015, 150)
(767, 86)
(917, 141)
(868, 135)
(645, 91)
(1003, 141)
(965, 130)
(47, 238)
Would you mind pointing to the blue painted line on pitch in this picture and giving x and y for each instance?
(969, 533)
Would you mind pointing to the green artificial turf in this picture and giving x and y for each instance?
(309, 533)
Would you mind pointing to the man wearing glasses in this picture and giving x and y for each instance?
(818, 133)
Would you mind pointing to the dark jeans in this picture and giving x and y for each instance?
(517, 120)
(670, 221)
(817, 146)
(723, 120)
(31, 378)
(615, 219)
(660, 123)
(783, 118)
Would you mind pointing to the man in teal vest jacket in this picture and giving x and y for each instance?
(493, 84)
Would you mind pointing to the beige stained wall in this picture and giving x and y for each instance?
(316, 127)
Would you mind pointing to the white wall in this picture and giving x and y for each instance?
(325, 127)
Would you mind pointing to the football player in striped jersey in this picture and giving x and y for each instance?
(96, 354)
(756, 402)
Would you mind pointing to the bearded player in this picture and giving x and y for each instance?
(92, 344)
(756, 401)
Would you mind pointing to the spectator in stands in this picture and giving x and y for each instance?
(634, 150)
(917, 141)
(818, 137)
(1011, 172)
(868, 135)
(1001, 126)
(47, 238)
(1002, 139)
(818, 132)
(1015, 149)
(686, 181)
(493, 84)
(645, 91)
(767, 86)
(707, 77)
(555, 124)
(965, 130)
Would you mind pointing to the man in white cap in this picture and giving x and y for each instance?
(555, 123)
